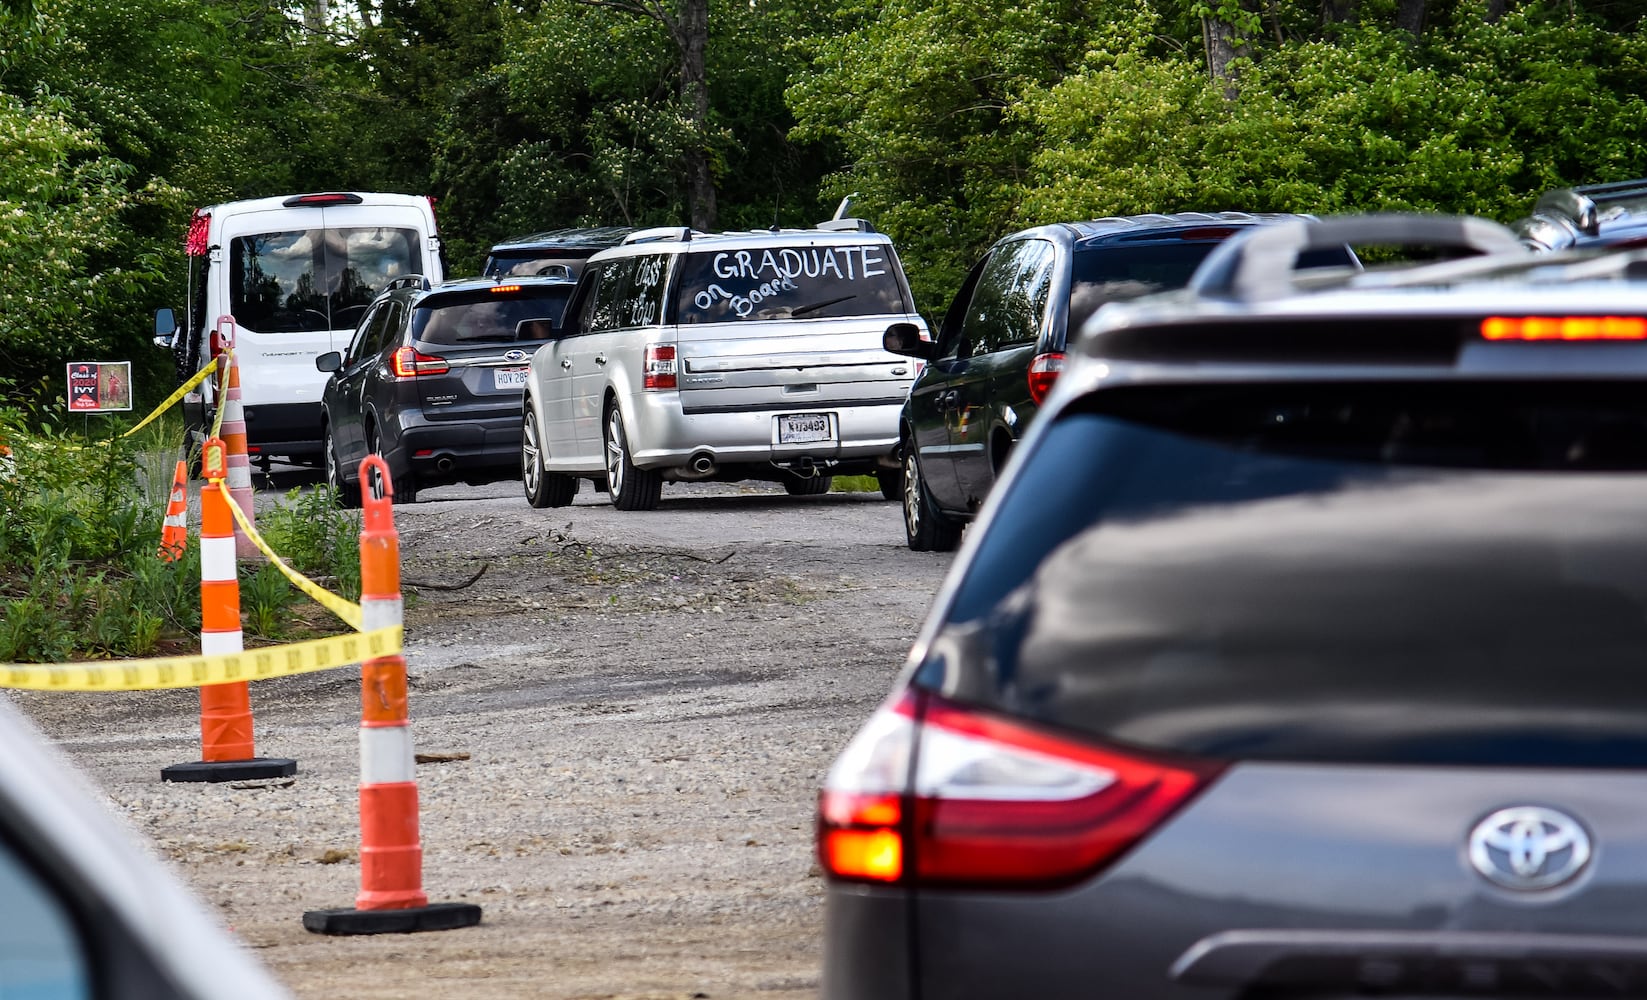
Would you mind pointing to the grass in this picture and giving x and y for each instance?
(81, 576)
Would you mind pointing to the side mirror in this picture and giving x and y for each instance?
(165, 327)
(905, 339)
(331, 361)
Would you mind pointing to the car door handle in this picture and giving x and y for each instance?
(948, 399)
(600, 359)
(566, 362)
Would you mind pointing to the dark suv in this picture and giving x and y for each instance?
(433, 379)
(1595, 215)
(556, 253)
(1298, 654)
(1001, 347)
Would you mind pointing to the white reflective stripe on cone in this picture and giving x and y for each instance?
(386, 755)
(217, 560)
(380, 612)
(217, 643)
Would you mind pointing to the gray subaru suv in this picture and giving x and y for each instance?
(1298, 653)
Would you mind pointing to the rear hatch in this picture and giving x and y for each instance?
(781, 326)
(1310, 690)
(473, 346)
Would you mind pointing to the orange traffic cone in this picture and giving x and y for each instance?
(391, 899)
(174, 532)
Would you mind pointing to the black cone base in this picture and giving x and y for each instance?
(434, 917)
(230, 770)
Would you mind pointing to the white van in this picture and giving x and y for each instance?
(296, 273)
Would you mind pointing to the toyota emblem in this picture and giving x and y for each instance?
(1529, 847)
(514, 355)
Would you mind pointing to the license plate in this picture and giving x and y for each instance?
(509, 378)
(804, 428)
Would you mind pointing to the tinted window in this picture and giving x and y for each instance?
(794, 282)
(314, 279)
(1393, 573)
(1009, 300)
(483, 316)
(1114, 272)
(374, 331)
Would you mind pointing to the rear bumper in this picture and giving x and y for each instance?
(284, 429)
(467, 449)
(661, 436)
(867, 944)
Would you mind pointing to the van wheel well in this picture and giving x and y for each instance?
(1000, 448)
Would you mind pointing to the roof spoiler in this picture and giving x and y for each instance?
(659, 234)
(1261, 263)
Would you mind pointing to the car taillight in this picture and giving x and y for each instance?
(1043, 371)
(991, 802)
(659, 370)
(1564, 328)
(411, 363)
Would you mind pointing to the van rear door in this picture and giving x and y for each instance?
(297, 276)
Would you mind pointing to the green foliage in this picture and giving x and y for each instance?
(317, 538)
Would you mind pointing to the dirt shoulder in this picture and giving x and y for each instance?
(632, 713)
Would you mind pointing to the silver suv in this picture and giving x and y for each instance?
(687, 356)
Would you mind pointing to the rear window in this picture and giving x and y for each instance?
(793, 282)
(1420, 573)
(485, 316)
(1113, 273)
(315, 279)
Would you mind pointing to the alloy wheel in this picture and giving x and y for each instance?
(615, 447)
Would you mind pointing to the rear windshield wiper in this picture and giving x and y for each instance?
(819, 305)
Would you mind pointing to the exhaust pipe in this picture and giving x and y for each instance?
(702, 464)
(444, 463)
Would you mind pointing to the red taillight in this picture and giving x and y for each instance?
(991, 802)
(1564, 328)
(197, 243)
(411, 363)
(1043, 371)
(659, 367)
(504, 289)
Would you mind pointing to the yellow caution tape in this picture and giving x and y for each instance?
(346, 610)
(217, 422)
(199, 671)
(182, 390)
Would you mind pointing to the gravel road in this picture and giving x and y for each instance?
(631, 713)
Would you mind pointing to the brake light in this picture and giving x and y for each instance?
(659, 371)
(1043, 371)
(1564, 328)
(200, 227)
(409, 362)
(322, 200)
(991, 802)
(502, 289)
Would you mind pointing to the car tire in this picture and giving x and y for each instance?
(629, 487)
(926, 529)
(543, 488)
(807, 486)
(891, 482)
(347, 494)
(403, 484)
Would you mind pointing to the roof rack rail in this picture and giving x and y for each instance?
(1261, 264)
(1582, 204)
(405, 280)
(845, 226)
(659, 234)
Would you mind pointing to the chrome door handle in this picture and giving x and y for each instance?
(565, 362)
(600, 359)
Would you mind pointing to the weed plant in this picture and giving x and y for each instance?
(80, 572)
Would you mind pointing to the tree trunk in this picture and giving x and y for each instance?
(1338, 11)
(1409, 16)
(692, 36)
(1219, 38)
(1495, 10)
